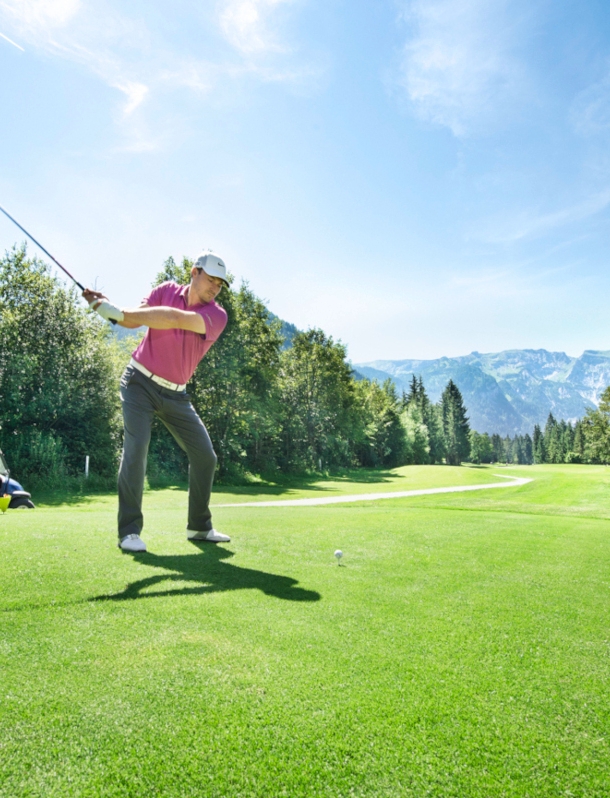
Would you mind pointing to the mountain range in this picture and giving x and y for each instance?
(504, 392)
(507, 392)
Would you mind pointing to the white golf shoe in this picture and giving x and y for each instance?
(210, 537)
(132, 543)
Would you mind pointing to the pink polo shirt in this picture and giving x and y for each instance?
(175, 354)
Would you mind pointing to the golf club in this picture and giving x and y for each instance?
(23, 230)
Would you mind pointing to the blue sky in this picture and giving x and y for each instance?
(418, 178)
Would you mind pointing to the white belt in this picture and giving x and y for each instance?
(173, 386)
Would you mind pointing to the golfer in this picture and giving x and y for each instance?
(183, 322)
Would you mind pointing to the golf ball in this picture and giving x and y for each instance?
(338, 554)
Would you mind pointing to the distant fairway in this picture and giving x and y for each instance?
(463, 649)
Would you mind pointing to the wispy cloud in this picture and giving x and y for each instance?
(460, 68)
(140, 61)
(251, 26)
(135, 93)
(10, 41)
(530, 223)
(97, 39)
(53, 13)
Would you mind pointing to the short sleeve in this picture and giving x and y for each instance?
(155, 298)
(215, 319)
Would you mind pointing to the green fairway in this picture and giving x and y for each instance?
(362, 481)
(462, 650)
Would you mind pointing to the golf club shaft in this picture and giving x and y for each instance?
(38, 244)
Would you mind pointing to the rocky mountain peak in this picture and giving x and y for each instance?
(508, 392)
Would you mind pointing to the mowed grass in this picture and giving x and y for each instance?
(361, 481)
(462, 650)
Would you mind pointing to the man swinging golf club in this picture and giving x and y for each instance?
(183, 322)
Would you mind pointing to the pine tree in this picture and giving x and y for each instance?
(567, 443)
(596, 427)
(554, 445)
(498, 448)
(539, 449)
(528, 450)
(551, 439)
(564, 429)
(434, 422)
(518, 450)
(455, 425)
(413, 396)
(431, 418)
(578, 446)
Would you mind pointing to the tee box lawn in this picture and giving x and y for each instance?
(463, 649)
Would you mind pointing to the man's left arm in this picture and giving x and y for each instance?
(109, 312)
(165, 318)
(158, 317)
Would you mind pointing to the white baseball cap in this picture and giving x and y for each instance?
(213, 265)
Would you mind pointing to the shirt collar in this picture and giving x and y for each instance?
(183, 292)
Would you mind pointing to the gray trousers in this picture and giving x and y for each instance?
(142, 399)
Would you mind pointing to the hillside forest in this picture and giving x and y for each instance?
(272, 406)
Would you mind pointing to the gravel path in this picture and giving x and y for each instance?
(369, 497)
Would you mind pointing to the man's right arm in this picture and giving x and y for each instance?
(132, 324)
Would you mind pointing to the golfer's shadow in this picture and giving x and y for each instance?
(209, 574)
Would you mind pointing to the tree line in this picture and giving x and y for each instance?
(587, 440)
(269, 406)
(274, 399)
(485, 448)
